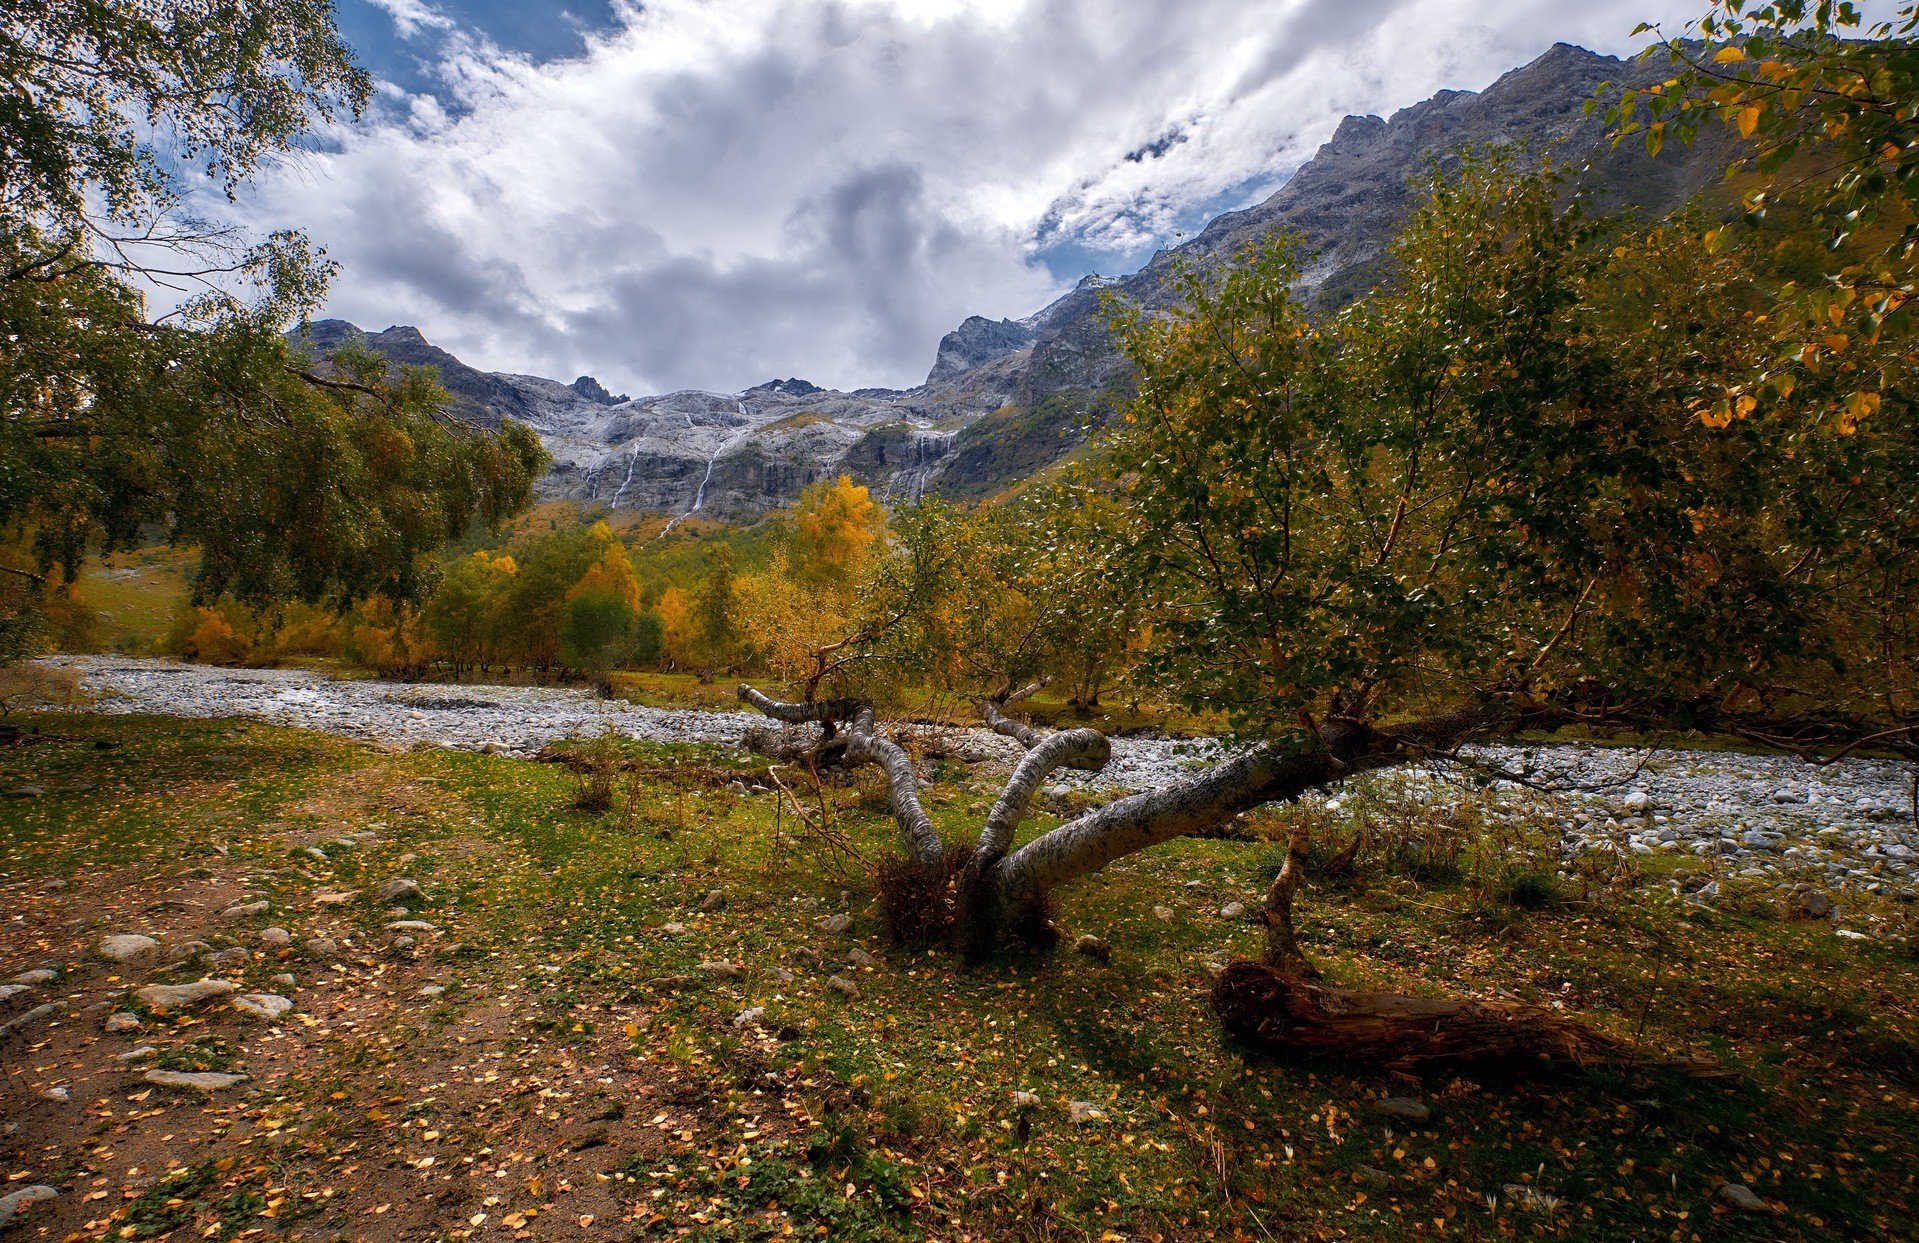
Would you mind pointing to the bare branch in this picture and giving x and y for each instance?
(865, 745)
(1000, 723)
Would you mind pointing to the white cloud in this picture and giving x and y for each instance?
(410, 17)
(717, 193)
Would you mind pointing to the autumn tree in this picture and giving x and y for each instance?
(1823, 100)
(295, 478)
(715, 626)
(835, 526)
(599, 626)
(1495, 495)
(465, 614)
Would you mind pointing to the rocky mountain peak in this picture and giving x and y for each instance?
(591, 389)
(1008, 397)
(791, 386)
(979, 341)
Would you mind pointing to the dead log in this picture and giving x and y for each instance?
(1280, 1012)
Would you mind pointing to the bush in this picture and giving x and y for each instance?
(596, 772)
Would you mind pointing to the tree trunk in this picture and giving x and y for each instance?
(1276, 1010)
(1282, 946)
(865, 745)
(1266, 774)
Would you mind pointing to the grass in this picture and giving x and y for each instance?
(896, 1119)
(138, 594)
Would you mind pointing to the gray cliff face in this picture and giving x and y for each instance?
(977, 342)
(727, 457)
(1349, 200)
(1007, 398)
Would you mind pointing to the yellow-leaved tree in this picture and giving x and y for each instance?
(835, 527)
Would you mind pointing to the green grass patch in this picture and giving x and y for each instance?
(910, 1129)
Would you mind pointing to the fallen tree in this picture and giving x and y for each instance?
(999, 888)
(1500, 494)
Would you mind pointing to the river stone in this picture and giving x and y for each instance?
(843, 986)
(714, 900)
(322, 947)
(134, 1055)
(186, 950)
(275, 938)
(335, 899)
(400, 889)
(183, 996)
(1232, 910)
(1025, 1100)
(126, 946)
(25, 792)
(835, 923)
(860, 958)
(39, 975)
(237, 956)
(412, 925)
(1743, 1198)
(749, 1017)
(9, 991)
(1081, 1113)
(1093, 948)
(721, 967)
(673, 930)
(269, 1006)
(240, 910)
(1403, 1107)
(11, 1204)
(779, 975)
(120, 1022)
(59, 1095)
(31, 1017)
(404, 942)
(285, 980)
(1531, 1199)
(204, 1080)
(1163, 913)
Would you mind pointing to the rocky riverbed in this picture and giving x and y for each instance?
(1760, 818)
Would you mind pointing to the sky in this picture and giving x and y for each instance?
(713, 193)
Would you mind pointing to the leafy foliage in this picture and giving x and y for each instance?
(1509, 475)
(298, 480)
(1826, 105)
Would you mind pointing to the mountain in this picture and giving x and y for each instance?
(1007, 398)
(1348, 202)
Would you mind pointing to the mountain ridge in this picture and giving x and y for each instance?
(1005, 398)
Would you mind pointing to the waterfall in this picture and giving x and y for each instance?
(630, 464)
(699, 497)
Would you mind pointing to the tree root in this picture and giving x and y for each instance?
(1276, 1011)
(920, 901)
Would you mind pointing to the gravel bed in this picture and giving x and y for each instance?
(1769, 818)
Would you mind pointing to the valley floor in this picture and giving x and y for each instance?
(649, 1023)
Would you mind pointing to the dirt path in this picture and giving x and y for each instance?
(413, 1087)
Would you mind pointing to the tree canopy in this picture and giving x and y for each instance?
(1513, 478)
(297, 478)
